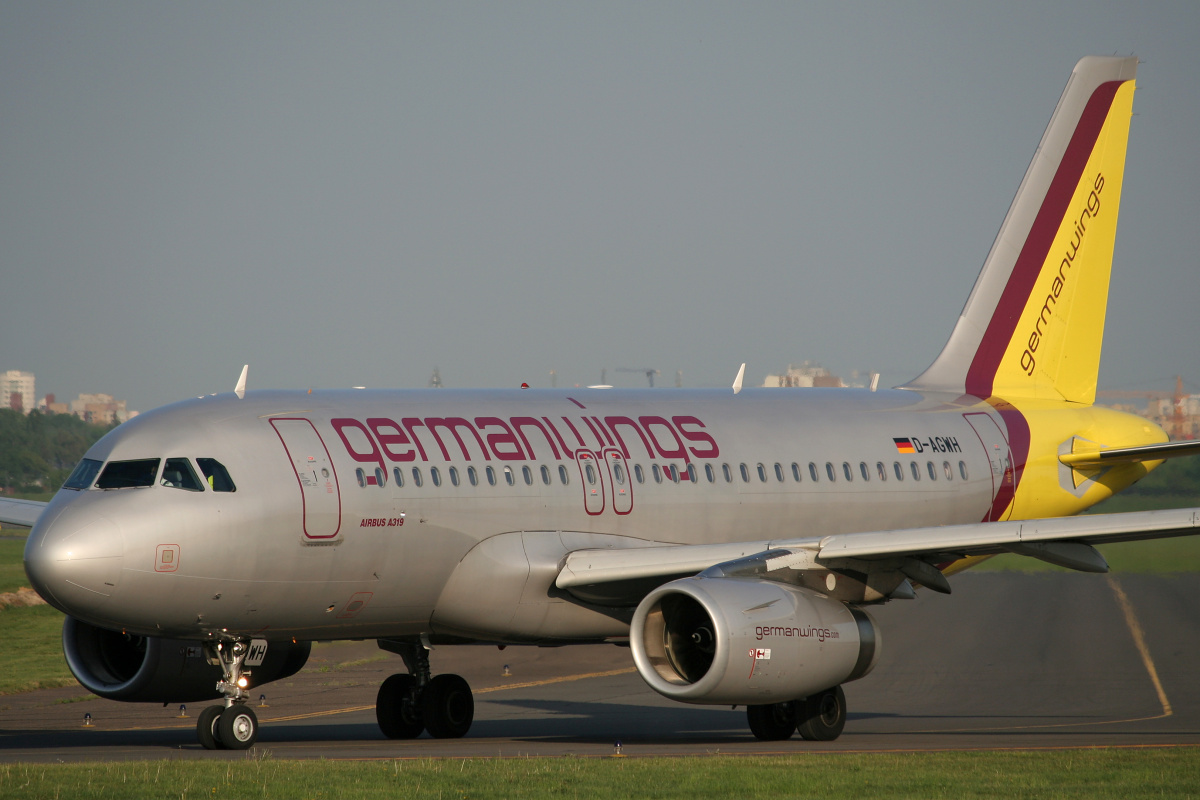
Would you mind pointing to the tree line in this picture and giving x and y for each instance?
(38, 450)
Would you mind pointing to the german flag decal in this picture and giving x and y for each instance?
(904, 446)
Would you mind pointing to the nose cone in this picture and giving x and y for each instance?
(73, 559)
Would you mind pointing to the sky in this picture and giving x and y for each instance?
(352, 194)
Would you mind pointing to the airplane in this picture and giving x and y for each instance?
(734, 539)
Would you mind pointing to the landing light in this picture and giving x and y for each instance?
(243, 682)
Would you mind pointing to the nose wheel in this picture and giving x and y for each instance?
(233, 726)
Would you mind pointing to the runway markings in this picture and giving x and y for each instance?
(1139, 640)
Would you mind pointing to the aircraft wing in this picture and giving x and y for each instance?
(20, 512)
(1065, 541)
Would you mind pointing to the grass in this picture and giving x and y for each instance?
(1160, 556)
(12, 566)
(38, 662)
(1101, 773)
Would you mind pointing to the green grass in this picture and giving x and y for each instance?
(1160, 556)
(1167, 772)
(12, 566)
(34, 658)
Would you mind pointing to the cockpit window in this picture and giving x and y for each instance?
(129, 474)
(216, 475)
(84, 475)
(178, 474)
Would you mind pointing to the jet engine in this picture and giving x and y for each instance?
(748, 641)
(141, 669)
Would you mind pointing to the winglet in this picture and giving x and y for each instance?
(240, 389)
(737, 382)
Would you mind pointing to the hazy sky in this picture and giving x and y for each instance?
(352, 193)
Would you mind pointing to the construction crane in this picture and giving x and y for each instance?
(1176, 423)
(649, 372)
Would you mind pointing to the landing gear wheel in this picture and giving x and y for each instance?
(447, 707)
(396, 709)
(773, 722)
(238, 727)
(823, 715)
(206, 728)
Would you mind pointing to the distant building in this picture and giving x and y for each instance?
(99, 408)
(805, 375)
(17, 391)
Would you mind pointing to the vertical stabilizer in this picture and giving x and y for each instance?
(1033, 324)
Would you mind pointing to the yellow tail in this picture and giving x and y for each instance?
(1033, 324)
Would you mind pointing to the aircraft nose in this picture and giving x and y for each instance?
(74, 560)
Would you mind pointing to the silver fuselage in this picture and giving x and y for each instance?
(321, 541)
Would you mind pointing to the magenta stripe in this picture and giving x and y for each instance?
(982, 372)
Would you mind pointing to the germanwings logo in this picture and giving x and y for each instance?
(377, 440)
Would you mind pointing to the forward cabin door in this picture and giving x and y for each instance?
(320, 495)
(999, 456)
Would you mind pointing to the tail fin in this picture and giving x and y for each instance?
(1033, 324)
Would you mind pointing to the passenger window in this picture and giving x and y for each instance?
(435, 475)
(491, 475)
(527, 474)
(618, 474)
(218, 477)
(881, 470)
(509, 478)
(590, 472)
(862, 469)
(812, 472)
(545, 474)
(946, 469)
(779, 472)
(360, 475)
(638, 473)
(849, 473)
(762, 473)
(673, 472)
(962, 469)
(178, 474)
(710, 473)
(915, 470)
(691, 472)
(795, 472)
(899, 470)
(563, 478)
(745, 473)
(454, 476)
(398, 476)
(417, 477)
(829, 471)
(656, 472)
(472, 476)
(932, 472)
(727, 472)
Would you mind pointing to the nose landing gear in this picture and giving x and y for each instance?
(234, 725)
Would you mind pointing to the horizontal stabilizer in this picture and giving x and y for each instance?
(1098, 457)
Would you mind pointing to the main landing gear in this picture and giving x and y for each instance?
(232, 726)
(412, 703)
(818, 718)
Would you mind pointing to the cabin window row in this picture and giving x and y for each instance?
(529, 477)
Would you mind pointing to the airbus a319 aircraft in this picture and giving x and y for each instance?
(732, 539)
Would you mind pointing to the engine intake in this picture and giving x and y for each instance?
(748, 641)
(141, 669)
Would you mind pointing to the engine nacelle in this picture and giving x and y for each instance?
(141, 669)
(747, 641)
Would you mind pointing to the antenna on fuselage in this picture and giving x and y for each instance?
(737, 382)
(240, 389)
